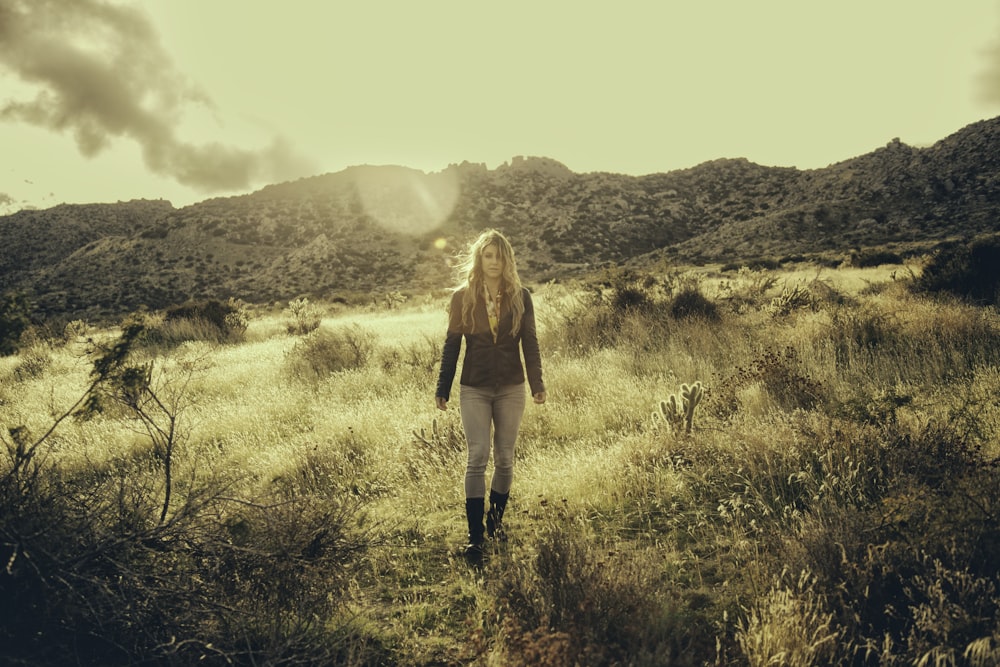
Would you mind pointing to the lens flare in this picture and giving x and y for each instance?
(441, 244)
(406, 200)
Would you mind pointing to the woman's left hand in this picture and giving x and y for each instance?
(539, 398)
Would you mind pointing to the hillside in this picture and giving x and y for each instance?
(371, 229)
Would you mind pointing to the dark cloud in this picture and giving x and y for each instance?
(101, 74)
(989, 76)
(988, 79)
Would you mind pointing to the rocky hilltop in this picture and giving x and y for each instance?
(371, 229)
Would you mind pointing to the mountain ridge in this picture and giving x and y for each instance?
(371, 228)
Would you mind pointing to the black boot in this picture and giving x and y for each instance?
(474, 510)
(494, 519)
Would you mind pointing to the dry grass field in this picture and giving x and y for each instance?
(288, 498)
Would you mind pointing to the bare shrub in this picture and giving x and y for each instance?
(780, 373)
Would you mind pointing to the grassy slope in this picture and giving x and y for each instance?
(629, 543)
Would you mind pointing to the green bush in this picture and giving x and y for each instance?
(690, 302)
(15, 311)
(212, 320)
(327, 351)
(970, 271)
(869, 258)
(910, 570)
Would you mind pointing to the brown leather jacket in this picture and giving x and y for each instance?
(489, 364)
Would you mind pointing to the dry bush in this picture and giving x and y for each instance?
(422, 356)
(15, 319)
(791, 625)
(748, 291)
(853, 440)
(608, 311)
(690, 302)
(33, 361)
(790, 299)
(579, 601)
(106, 566)
(212, 321)
(780, 374)
(859, 334)
(327, 351)
(580, 325)
(228, 318)
(958, 337)
(96, 579)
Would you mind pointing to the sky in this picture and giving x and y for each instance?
(113, 100)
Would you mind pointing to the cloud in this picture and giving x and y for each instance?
(988, 78)
(101, 74)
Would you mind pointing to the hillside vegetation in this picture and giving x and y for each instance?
(278, 488)
(373, 230)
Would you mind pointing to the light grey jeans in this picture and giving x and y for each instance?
(482, 408)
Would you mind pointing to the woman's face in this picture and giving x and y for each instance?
(492, 262)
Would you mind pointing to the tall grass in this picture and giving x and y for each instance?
(834, 503)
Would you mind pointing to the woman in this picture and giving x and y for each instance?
(495, 314)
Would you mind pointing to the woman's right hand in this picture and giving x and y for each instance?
(442, 403)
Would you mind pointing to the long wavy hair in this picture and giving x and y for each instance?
(470, 274)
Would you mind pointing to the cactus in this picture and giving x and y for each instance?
(441, 439)
(789, 300)
(678, 410)
(433, 439)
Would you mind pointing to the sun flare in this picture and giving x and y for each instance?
(405, 200)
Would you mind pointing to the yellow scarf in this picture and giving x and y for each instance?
(493, 311)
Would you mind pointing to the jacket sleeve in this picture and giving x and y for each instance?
(452, 346)
(529, 344)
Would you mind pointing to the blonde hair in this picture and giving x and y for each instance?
(470, 275)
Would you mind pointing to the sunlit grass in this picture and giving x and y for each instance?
(725, 544)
